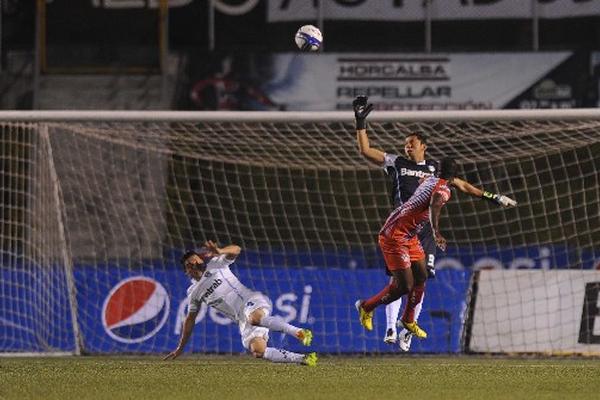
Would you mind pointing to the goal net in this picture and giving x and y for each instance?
(97, 209)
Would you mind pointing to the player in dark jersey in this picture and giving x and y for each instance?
(402, 251)
(405, 173)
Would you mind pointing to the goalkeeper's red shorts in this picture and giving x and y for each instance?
(399, 252)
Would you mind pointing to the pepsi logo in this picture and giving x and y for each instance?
(135, 309)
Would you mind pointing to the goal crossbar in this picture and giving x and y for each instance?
(99, 206)
(300, 116)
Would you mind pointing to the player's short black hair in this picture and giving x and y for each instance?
(203, 252)
(447, 168)
(419, 135)
(187, 255)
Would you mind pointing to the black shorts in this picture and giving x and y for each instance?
(428, 244)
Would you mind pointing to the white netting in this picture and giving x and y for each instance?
(129, 197)
(37, 286)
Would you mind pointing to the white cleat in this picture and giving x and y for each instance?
(390, 337)
(404, 340)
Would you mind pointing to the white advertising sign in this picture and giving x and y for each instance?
(544, 311)
(414, 10)
(405, 82)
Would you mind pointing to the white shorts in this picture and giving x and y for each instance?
(249, 331)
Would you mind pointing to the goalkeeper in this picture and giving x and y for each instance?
(405, 174)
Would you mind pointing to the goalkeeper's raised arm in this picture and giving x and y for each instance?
(361, 111)
(414, 149)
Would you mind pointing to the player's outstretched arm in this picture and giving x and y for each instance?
(231, 251)
(496, 198)
(188, 327)
(435, 208)
(361, 111)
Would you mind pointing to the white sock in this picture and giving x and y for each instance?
(418, 308)
(276, 323)
(282, 356)
(391, 314)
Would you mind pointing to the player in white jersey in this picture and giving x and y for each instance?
(213, 283)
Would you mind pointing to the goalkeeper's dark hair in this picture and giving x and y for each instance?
(419, 135)
(447, 168)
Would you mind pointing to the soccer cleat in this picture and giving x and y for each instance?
(305, 336)
(366, 317)
(413, 328)
(390, 336)
(404, 339)
(310, 359)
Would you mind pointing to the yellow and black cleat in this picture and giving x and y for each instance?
(366, 317)
(415, 329)
(305, 336)
(310, 359)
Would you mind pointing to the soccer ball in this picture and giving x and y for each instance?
(308, 38)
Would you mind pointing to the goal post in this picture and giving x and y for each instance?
(98, 206)
(38, 312)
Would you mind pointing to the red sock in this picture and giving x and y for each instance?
(414, 298)
(372, 303)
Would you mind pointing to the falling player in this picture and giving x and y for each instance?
(400, 246)
(213, 283)
(405, 174)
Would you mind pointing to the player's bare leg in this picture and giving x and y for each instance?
(400, 284)
(404, 335)
(275, 323)
(258, 346)
(415, 296)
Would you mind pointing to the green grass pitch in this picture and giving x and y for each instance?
(242, 377)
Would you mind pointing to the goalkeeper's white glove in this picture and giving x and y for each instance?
(499, 199)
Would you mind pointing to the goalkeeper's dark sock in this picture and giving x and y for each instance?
(414, 298)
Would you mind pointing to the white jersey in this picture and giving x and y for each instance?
(221, 289)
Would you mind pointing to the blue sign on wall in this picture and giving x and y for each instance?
(35, 311)
(124, 309)
(142, 310)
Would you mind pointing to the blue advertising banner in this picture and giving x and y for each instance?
(141, 311)
(554, 256)
(35, 311)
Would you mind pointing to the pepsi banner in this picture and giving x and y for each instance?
(141, 311)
